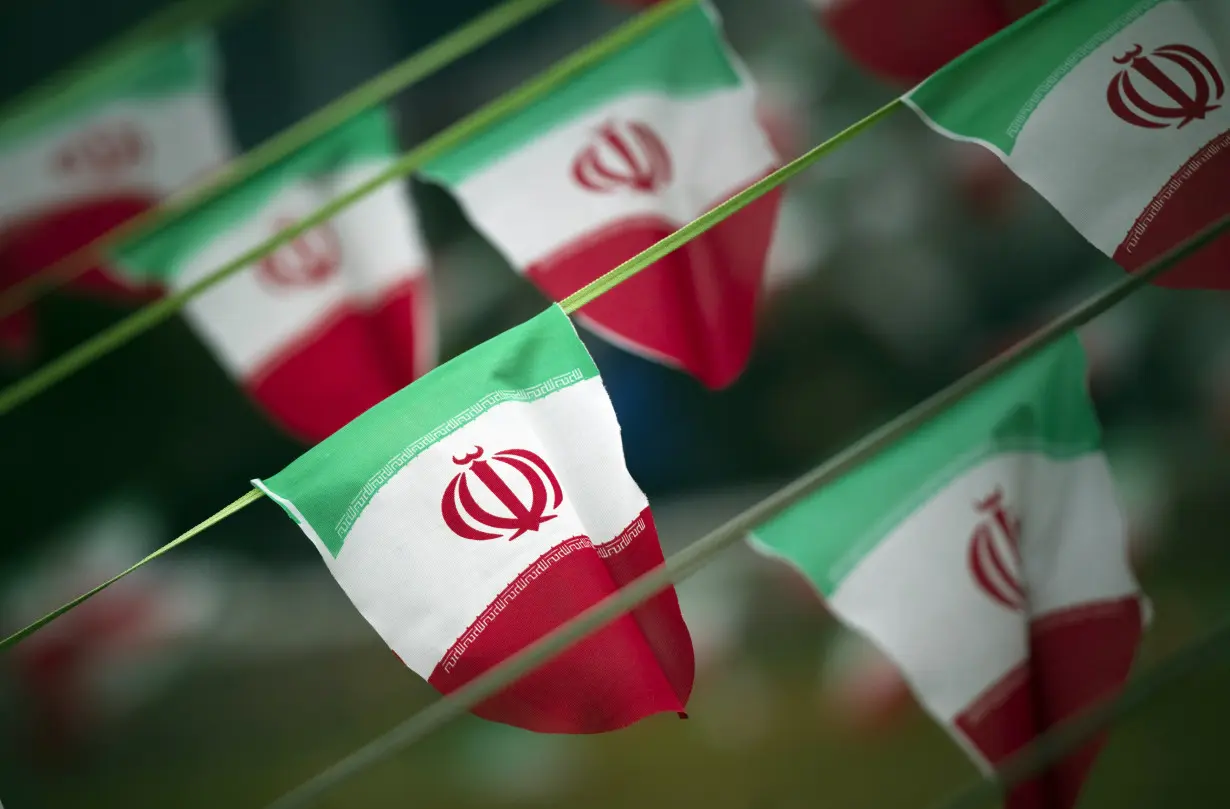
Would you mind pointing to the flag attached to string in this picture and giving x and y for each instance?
(110, 146)
(906, 40)
(1117, 112)
(476, 510)
(986, 555)
(329, 324)
(618, 158)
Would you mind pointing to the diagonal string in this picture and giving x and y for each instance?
(696, 555)
(444, 51)
(79, 75)
(154, 313)
(1212, 648)
(247, 499)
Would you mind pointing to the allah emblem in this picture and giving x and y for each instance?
(1189, 89)
(104, 150)
(994, 553)
(467, 518)
(310, 258)
(630, 156)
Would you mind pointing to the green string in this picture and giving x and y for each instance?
(444, 51)
(250, 497)
(159, 311)
(693, 557)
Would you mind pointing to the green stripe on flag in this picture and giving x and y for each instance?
(185, 64)
(1040, 407)
(683, 57)
(334, 481)
(988, 93)
(366, 138)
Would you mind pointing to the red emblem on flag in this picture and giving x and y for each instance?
(311, 258)
(1190, 84)
(103, 150)
(994, 553)
(631, 156)
(463, 513)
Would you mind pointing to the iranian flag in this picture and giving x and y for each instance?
(613, 161)
(483, 506)
(329, 324)
(109, 146)
(1116, 112)
(986, 555)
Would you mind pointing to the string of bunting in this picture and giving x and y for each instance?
(159, 311)
(570, 304)
(1035, 758)
(692, 558)
(439, 54)
(1032, 760)
(156, 312)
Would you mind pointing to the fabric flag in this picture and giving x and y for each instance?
(1116, 112)
(108, 147)
(905, 40)
(986, 555)
(329, 324)
(618, 158)
(481, 507)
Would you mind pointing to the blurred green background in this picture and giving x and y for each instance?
(904, 260)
